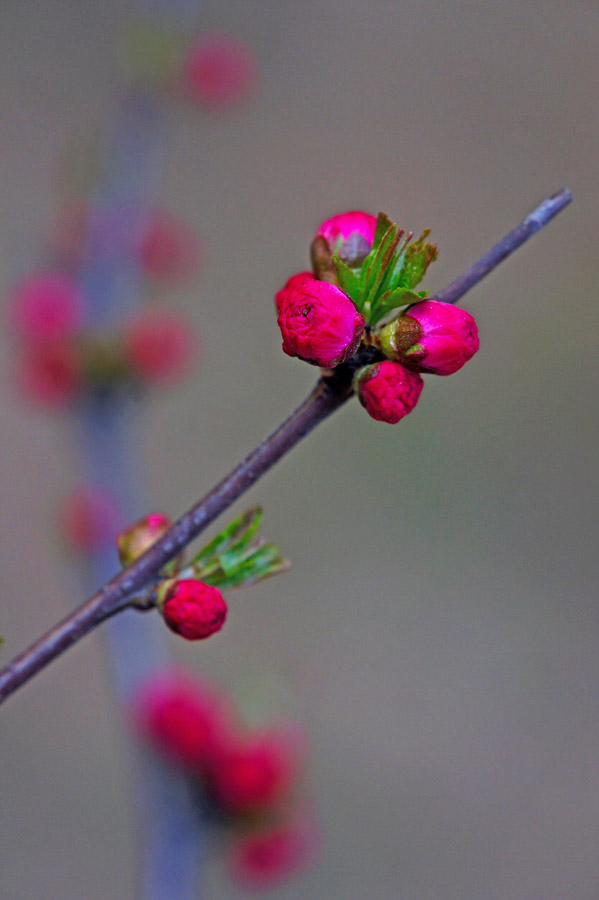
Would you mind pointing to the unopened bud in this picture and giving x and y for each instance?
(191, 608)
(133, 541)
(387, 390)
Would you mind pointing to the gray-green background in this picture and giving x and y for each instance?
(440, 628)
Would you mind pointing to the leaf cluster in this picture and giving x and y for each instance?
(388, 275)
(237, 557)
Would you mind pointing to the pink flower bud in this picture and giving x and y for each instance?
(218, 71)
(134, 540)
(185, 720)
(388, 390)
(291, 283)
(256, 772)
(320, 323)
(88, 519)
(158, 346)
(46, 307)
(431, 337)
(193, 609)
(51, 374)
(349, 235)
(264, 859)
(168, 249)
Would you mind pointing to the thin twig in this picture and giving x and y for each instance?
(328, 395)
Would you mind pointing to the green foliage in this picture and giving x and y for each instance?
(417, 258)
(235, 557)
(387, 277)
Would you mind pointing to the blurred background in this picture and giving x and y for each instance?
(437, 635)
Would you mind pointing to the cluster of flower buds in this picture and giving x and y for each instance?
(188, 595)
(358, 306)
(61, 362)
(249, 778)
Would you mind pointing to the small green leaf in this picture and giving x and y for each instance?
(380, 269)
(383, 224)
(348, 280)
(239, 532)
(417, 258)
(390, 301)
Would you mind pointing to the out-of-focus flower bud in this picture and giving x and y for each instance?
(431, 337)
(158, 346)
(263, 859)
(168, 249)
(291, 283)
(218, 71)
(191, 608)
(88, 519)
(320, 323)
(134, 540)
(46, 307)
(256, 772)
(349, 235)
(51, 374)
(182, 718)
(387, 390)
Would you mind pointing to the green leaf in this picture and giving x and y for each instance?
(381, 267)
(383, 224)
(239, 532)
(348, 280)
(417, 258)
(262, 561)
(235, 557)
(390, 301)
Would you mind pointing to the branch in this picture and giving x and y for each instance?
(329, 394)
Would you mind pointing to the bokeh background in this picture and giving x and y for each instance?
(438, 633)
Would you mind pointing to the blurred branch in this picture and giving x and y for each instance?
(329, 394)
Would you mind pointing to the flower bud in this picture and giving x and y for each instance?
(320, 323)
(349, 235)
(265, 858)
(218, 71)
(158, 346)
(88, 519)
(290, 284)
(191, 608)
(387, 390)
(134, 540)
(168, 250)
(52, 374)
(45, 307)
(256, 772)
(184, 719)
(431, 336)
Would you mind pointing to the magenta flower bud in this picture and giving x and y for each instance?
(46, 306)
(291, 283)
(431, 337)
(320, 323)
(134, 540)
(88, 519)
(387, 390)
(193, 609)
(349, 235)
(218, 71)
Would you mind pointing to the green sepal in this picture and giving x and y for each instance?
(238, 534)
(348, 281)
(416, 259)
(390, 301)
